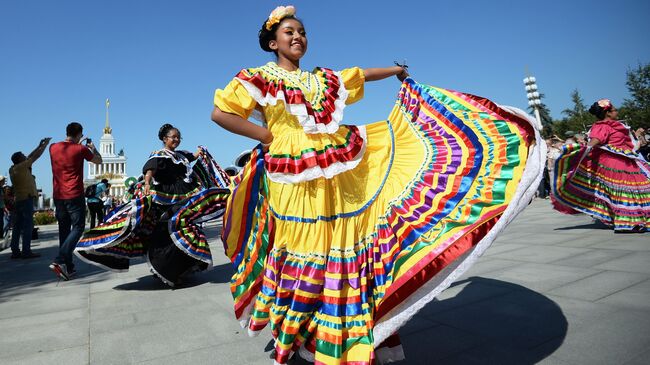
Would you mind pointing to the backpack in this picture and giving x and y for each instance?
(91, 191)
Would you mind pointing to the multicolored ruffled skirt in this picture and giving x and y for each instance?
(163, 227)
(337, 265)
(610, 185)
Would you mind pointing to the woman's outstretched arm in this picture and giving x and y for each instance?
(238, 125)
(374, 74)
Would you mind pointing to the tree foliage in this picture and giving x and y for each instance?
(576, 119)
(636, 110)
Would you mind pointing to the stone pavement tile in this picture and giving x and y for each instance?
(43, 302)
(154, 333)
(642, 359)
(431, 345)
(615, 338)
(540, 254)
(35, 338)
(600, 285)
(43, 319)
(520, 319)
(465, 292)
(72, 356)
(634, 262)
(499, 353)
(541, 277)
(223, 354)
(631, 242)
(486, 265)
(636, 296)
(501, 247)
(591, 258)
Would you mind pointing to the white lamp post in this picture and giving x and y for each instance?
(533, 96)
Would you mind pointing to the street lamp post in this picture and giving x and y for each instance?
(533, 96)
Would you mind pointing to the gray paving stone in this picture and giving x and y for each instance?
(631, 242)
(540, 254)
(44, 319)
(542, 277)
(634, 262)
(591, 258)
(436, 343)
(487, 265)
(636, 296)
(613, 339)
(600, 285)
(496, 249)
(72, 356)
(32, 339)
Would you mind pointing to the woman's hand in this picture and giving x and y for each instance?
(266, 142)
(146, 190)
(199, 153)
(404, 73)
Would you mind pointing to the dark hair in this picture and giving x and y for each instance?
(598, 111)
(162, 132)
(265, 36)
(105, 181)
(73, 129)
(15, 158)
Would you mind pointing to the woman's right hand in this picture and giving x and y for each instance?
(146, 190)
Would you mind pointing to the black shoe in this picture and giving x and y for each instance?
(30, 255)
(16, 255)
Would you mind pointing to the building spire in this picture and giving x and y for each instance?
(107, 127)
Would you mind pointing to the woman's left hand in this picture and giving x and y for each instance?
(403, 74)
(199, 153)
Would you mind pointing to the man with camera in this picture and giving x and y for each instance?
(67, 159)
(24, 185)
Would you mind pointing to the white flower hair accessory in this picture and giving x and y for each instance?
(278, 14)
(605, 104)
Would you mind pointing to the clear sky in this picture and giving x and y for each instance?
(160, 61)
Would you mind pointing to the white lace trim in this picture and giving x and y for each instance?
(307, 121)
(526, 189)
(317, 171)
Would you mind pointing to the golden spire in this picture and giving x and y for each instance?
(107, 128)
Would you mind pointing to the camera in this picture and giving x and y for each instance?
(89, 140)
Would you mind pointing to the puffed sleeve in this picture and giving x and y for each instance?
(151, 164)
(234, 99)
(353, 79)
(602, 131)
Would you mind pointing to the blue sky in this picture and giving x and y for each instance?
(160, 61)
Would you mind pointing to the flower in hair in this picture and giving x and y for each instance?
(605, 104)
(278, 14)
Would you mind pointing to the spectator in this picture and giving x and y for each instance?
(108, 204)
(68, 192)
(95, 205)
(2, 206)
(24, 185)
(9, 209)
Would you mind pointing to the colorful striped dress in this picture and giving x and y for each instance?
(610, 182)
(164, 226)
(340, 234)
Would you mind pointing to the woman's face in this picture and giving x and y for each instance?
(290, 40)
(612, 113)
(172, 139)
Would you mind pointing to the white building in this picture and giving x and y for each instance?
(113, 166)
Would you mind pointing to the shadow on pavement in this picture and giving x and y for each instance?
(18, 275)
(596, 225)
(487, 322)
(218, 274)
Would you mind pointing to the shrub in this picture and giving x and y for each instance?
(43, 218)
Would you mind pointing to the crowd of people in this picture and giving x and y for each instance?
(337, 234)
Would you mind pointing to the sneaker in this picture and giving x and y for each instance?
(60, 271)
(30, 255)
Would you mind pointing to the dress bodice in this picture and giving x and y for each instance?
(303, 111)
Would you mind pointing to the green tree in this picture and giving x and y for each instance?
(577, 119)
(636, 111)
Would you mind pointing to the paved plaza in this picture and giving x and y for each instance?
(553, 289)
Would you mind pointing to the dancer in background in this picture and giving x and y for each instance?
(163, 222)
(607, 179)
(339, 234)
